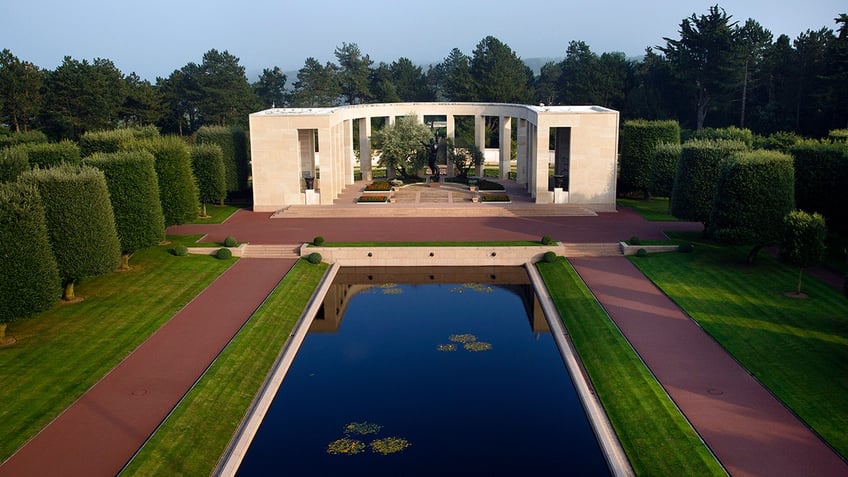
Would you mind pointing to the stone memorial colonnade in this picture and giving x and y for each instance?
(282, 144)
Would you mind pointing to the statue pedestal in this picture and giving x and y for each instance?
(560, 196)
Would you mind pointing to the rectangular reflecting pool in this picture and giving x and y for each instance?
(425, 372)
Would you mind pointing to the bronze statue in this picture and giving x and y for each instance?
(433, 150)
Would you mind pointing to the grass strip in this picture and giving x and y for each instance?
(217, 214)
(62, 352)
(798, 348)
(654, 434)
(654, 209)
(516, 243)
(197, 432)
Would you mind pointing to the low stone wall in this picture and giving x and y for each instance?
(632, 249)
(430, 256)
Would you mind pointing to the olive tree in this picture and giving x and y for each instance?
(403, 145)
(29, 279)
(80, 221)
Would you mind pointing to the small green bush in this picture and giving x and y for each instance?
(547, 240)
(314, 258)
(641, 253)
(318, 241)
(223, 253)
(549, 257)
(685, 248)
(230, 242)
(180, 250)
(634, 240)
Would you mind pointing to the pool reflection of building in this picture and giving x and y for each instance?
(352, 280)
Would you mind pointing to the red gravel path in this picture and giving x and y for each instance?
(750, 432)
(100, 432)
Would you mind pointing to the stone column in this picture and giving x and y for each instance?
(365, 148)
(325, 165)
(450, 133)
(521, 154)
(480, 138)
(347, 150)
(505, 123)
(542, 162)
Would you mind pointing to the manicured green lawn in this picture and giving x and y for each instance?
(797, 347)
(654, 434)
(193, 437)
(217, 214)
(62, 352)
(655, 209)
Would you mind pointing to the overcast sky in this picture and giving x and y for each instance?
(155, 37)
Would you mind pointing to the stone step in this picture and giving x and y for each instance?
(402, 210)
(271, 251)
(591, 249)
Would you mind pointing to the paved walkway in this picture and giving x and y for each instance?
(750, 431)
(100, 432)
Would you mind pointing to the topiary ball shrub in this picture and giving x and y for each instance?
(314, 258)
(685, 248)
(230, 242)
(641, 253)
(318, 241)
(546, 240)
(223, 253)
(180, 250)
(634, 240)
(549, 257)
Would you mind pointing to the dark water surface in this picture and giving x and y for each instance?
(507, 410)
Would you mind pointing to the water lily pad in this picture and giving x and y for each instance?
(346, 446)
(362, 428)
(463, 338)
(446, 347)
(478, 346)
(389, 445)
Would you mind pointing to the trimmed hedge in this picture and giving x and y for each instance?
(207, 164)
(13, 162)
(840, 135)
(230, 242)
(80, 221)
(134, 194)
(664, 168)
(696, 178)
(177, 188)
(233, 144)
(28, 137)
(638, 140)
(314, 258)
(29, 278)
(821, 176)
(49, 154)
(754, 193)
(803, 241)
(731, 133)
(780, 141)
(112, 140)
(224, 253)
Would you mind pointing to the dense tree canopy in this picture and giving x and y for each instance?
(718, 71)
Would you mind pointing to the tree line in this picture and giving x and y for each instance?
(718, 72)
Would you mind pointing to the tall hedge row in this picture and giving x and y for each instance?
(754, 192)
(233, 144)
(697, 175)
(207, 163)
(80, 221)
(177, 188)
(821, 178)
(13, 162)
(664, 168)
(638, 140)
(29, 279)
(731, 133)
(22, 138)
(44, 154)
(111, 140)
(134, 195)
(838, 135)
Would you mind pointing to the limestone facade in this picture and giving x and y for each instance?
(283, 149)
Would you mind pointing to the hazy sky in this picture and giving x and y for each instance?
(155, 37)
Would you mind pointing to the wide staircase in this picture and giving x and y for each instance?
(271, 251)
